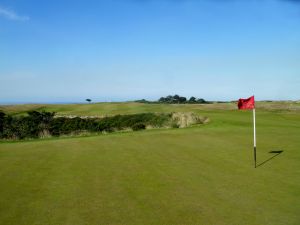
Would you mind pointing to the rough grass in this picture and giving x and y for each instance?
(197, 175)
(106, 109)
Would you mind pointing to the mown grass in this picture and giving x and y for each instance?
(197, 175)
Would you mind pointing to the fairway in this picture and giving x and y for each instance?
(198, 175)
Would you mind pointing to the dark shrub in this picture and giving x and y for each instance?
(174, 125)
(38, 124)
(2, 117)
(138, 126)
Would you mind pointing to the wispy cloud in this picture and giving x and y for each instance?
(11, 15)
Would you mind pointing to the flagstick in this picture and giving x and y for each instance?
(254, 137)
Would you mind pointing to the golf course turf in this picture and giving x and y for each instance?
(198, 175)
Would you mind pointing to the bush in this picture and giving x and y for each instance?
(174, 125)
(2, 116)
(43, 124)
(138, 126)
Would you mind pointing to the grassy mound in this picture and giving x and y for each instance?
(187, 119)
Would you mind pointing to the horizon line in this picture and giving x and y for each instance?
(125, 101)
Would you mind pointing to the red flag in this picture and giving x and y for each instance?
(247, 103)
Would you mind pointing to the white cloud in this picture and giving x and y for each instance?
(11, 15)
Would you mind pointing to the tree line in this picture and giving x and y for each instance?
(43, 124)
(181, 100)
(176, 99)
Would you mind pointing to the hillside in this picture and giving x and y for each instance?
(132, 107)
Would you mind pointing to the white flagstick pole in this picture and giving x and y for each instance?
(254, 137)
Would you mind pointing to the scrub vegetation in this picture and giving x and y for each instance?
(45, 124)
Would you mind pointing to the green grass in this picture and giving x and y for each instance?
(102, 109)
(197, 175)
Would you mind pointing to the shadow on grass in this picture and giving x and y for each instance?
(275, 152)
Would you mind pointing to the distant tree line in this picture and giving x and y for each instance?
(181, 100)
(176, 99)
(42, 124)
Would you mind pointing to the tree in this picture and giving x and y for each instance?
(192, 99)
(201, 100)
(169, 99)
(176, 98)
(162, 99)
(88, 100)
(182, 99)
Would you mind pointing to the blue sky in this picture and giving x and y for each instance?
(113, 50)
